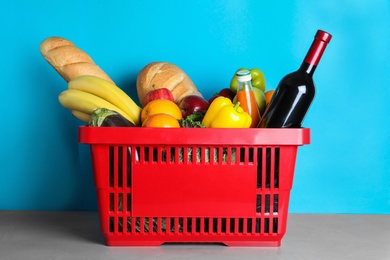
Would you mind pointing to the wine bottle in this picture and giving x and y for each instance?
(295, 92)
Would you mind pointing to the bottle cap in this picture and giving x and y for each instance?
(243, 75)
(323, 36)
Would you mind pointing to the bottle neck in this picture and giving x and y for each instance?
(315, 52)
(307, 68)
(245, 86)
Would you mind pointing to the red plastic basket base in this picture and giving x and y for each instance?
(155, 231)
(229, 243)
(124, 241)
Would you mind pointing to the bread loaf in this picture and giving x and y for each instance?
(69, 60)
(157, 75)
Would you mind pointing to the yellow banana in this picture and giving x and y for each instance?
(108, 91)
(81, 115)
(84, 102)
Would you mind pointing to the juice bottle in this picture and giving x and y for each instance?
(246, 96)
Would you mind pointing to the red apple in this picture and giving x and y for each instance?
(216, 94)
(159, 93)
(227, 92)
(191, 104)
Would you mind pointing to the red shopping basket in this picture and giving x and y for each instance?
(191, 185)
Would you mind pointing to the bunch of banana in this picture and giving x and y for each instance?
(86, 93)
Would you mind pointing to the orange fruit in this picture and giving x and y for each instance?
(161, 106)
(268, 95)
(161, 120)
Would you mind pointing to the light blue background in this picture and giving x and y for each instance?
(344, 170)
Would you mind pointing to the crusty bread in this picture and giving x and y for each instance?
(69, 60)
(157, 75)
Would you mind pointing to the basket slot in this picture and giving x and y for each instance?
(116, 166)
(190, 225)
(243, 222)
(276, 167)
(258, 203)
(228, 159)
(233, 226)
(169, 225)
(268, 167)
(156, 156)
(112, 201)
(215, 225)
(120, 167)
(129, 158)
(112, 162)
(128, 225)
(198, 225)
(112, 224)
(148, 227)
(275, 226)
(120, 202)
(173, 225)
(143, 225)
(276, 204)
(209, 155)
(177, 155)
(120, 158)
(160, 225)
(128, 202)
(195, 155)
(120, 226)
(205, 225)
(268, 203)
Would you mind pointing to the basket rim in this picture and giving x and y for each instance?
(193, 136)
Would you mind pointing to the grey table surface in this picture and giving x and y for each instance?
(76, 235)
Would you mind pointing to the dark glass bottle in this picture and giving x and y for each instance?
(295, 92)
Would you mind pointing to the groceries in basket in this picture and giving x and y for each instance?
(90, 88)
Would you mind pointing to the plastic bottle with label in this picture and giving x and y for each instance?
(246, 96)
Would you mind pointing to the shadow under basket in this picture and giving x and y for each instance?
(192, 185)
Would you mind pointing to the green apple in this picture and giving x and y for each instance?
(260, 99)
(234, 82)
(258, 79)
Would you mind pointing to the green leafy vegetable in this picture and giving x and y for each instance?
(193, 121)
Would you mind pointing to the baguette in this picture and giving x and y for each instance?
(69, 60)
(157, 75)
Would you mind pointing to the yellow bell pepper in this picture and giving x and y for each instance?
(222, 113)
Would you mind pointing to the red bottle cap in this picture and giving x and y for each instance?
(323, 36)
